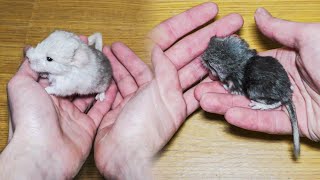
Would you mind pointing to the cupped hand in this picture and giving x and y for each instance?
(49, 137)
(151, 105)
(301, 59)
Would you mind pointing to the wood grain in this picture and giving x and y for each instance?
(206, 146)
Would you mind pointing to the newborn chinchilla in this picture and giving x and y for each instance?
(262, 79)
(72, 66)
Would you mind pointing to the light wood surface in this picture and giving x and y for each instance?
(205, 146)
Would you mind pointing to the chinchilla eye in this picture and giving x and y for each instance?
(49, 59)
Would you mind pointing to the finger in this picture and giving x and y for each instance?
(166, 77)
(10, 134)
(189, 97)
(24, 69)
(213, 77)
(107, 122)
(192, 73)
(191, 102)
(220, 103)
(169, 31)
(43, 82)
(285, 32)
(26, 72)
(84, 38)
(209, 87)
(194, 44)
(165, 72)
(111, 116)
(271, 122)
(117, 100)
(100, 108)
(83, 102)
(137, 68)
(272, 53)
(125, 82)
(124, 101)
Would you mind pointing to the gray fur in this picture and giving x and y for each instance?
(228, 62)
(104, 69)
(262, 79)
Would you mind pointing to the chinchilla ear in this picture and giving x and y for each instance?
(95, 41)
(80, 58)
(28, 53)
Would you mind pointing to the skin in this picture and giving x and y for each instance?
(300, 57)
(47, 132)
(147, 107)
(152, 106)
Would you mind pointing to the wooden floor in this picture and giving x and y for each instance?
(206, 147)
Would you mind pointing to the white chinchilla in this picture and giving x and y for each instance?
(72, 66)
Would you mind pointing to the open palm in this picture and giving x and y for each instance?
(301, 62)
(53, 132)
(151, 106)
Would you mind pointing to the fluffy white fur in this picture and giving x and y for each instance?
(75, 68)
(263, 106)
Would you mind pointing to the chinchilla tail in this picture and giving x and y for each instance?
(295, 129)
(96, 41)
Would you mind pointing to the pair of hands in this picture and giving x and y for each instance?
(300, 57)
(50, 137)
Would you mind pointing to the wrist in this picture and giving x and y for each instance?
(22, 161)
(127, 168)
(123, 163)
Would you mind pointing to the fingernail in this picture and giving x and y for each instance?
(261, 11)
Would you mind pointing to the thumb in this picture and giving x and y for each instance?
(161, 63)
(271, 122)
(285, 32)
(24, 69)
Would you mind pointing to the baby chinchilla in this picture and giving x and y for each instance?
(262, 79)
(227, 58)
(72, 66)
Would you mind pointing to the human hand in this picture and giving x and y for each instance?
(49, 137)
(151, 106)
(301, 59)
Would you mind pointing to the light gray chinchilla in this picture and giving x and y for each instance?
(72, 66)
